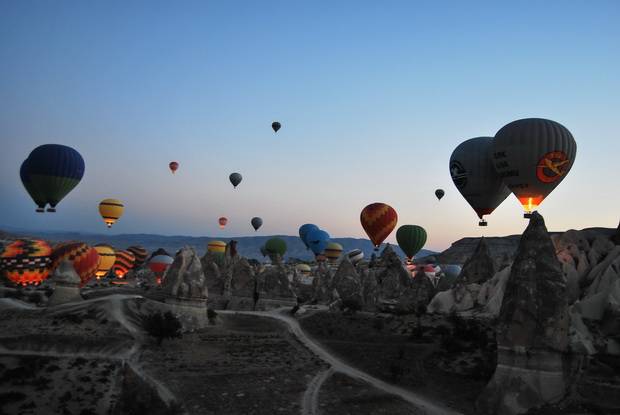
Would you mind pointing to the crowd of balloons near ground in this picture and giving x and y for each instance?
(528, 158)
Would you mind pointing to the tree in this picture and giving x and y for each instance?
(163, 326)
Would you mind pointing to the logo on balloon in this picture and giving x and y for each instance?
(459, 176)
(552, 166)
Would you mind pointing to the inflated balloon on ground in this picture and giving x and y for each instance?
(27, 261)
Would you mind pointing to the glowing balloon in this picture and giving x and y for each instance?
(235, 179)
(475, 178)
(27, 261)
(378, 220)
(55, 170)
(333, 252)
(139, 253)
(124, 262)
(317, 240)
(304, 230)
(532, 156)
(256, 223)
(355, 255)
(276, 126)
(158, 265)
(173, 166)
(439, 193)
(110, 210)
(275, 247)
(411, 238)
(223, 221)
(37, 195)
(107, 258)
(83, 257)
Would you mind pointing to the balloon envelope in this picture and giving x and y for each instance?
(55, 170)
(439, 193)
(173, 166)
(355, 255)
(304, 269)
(304, 230)
(139, 253)
(276, 126)
(532, 156)
(317, 240)
(275, 247)
(333, 252)
(110, 210)
(217, 249)
(27, 261)
(83, 257)
(475, 178)
(256, 223)
(411, 238)
(123, 263)
(235, 179)
(107, 258)
(158, 263)
(378, 220)
(222, 222)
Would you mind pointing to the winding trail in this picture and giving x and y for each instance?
(310, 398)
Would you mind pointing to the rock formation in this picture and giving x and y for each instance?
(532, 330)
(67, 284)
(273, 287)
(185, 289)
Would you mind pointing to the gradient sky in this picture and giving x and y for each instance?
(373, 98)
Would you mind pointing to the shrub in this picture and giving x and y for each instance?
(163, 326)
(351, 306)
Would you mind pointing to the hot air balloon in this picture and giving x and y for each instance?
(333, 252)
(158, 265)
(27, 261)
(411, 238)
(34, 192)
(475, 178)
(123, 263)
(256, 223)
(276, 126)
(452, 271)
(223, 221)
(173, 166)
(275, 247)
(110, 210)
(139, 253)
(83, 257)
(439, 193)
(217, 249)
(317, 240)
(304, 230)
(55, 170)
(107, 258)
(378, 220)
(304, 269)
(263, 251)
(355, 255)
(235, 179)
(532, 156)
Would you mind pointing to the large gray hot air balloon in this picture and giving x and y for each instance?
(474, 176)
(533, 156)
(235, 179)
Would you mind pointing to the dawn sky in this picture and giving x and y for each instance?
(373, 97)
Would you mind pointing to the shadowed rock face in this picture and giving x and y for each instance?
(532, 331)
(479, 268)
(534, 312)
(185, 278)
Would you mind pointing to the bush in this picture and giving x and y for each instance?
(351, 306)
(163, 326)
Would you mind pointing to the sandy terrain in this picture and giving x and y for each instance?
(93, 357)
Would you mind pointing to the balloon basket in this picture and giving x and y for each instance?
(483, 223)
(527, 215)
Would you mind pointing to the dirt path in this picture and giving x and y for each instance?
(309, 402)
